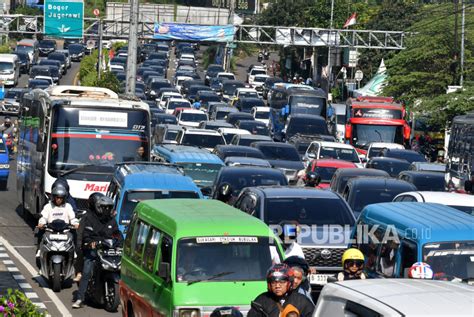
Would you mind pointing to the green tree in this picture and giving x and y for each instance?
(429, 64)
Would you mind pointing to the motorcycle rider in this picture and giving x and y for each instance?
(7, 127)
(56, 209)
(280, 296)
(98, 224)
(301, 270)
(226, 312)
(353, 266)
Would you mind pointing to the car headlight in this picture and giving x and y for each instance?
(4, 166)
(189, 313)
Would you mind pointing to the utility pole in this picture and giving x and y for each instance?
(456, 9)
(132, 48)
(463, 22)
(329, 46)
(99, 65)
(228, 51)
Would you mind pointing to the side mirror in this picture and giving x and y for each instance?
(468, 186)
(311, 155)
(206, 191)
(164, 271)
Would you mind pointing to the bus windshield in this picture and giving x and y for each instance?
(96, 139)
(308, 105)
(364, 133)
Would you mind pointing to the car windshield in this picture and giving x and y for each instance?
(274, 152)
(12, 94)
(47, 44)
(339, 153)
(375, 151)
(373, 196)
(193, 117)
(75, 48)
(243, 179)
(407, 155)
(230, 88)
(202, 140)
(308, 211)
(132, 198)
(178, 104)
(203, 174)
(254, 128)
(466, 209)
(228, 136)
(309, 127)
(258, 72)
(430, 183)
(364, 133)
(248, 94)
(222, 114)
(391, 167)
(24, 48)
(450, 260)
(262, 115)
(213, 70)
(6, 66)
(225, 258)
(326, 173)
(260, 79)
(226, 77)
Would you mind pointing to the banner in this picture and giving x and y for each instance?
(193, 32)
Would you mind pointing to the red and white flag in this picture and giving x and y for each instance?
(351, 21)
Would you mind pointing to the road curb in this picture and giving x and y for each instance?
(20, 280)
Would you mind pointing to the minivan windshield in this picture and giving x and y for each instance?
(226, 258)
(450, 260)
(132, 198)
(274, 152)
(203, 174)
(6, 66)
(24, 48)
(202, 140)
(349, 155)
(308, 211)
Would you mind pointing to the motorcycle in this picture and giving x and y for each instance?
(56, 256)
(103, 286)
(9, 141)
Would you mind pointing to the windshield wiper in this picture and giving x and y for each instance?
(211, 278)
(380, 135)
(72, 170)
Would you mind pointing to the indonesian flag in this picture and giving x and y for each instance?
(351, 21)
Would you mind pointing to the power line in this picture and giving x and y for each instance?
(428, 23)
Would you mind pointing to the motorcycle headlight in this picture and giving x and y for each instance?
(189, 313)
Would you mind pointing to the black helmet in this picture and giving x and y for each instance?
(58, 191)
(226, 311)
(92, 200)
(61, 181)
(7, 121)
(104, 206)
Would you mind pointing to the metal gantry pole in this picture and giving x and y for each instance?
(463, 22)
(100, 62)
(132, 48)
(329, 46)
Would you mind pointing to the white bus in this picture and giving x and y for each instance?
(77, 133)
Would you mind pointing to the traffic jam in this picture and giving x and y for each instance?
(206, 195)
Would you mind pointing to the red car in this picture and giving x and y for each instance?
(326, 168)
(178, 110)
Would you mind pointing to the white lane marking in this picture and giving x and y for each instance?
(40, 305)
(13, 269)
(24, 246)
(25, 285)
(19, 277)
(8, 262)
(55, 299)
(2, 249)
(31, 295)
(3, 255)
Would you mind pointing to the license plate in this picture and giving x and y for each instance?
(319, 279)
(58, 237)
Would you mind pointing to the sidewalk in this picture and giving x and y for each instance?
(11, 277)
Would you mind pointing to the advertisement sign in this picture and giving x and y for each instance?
(64, 19)
(193, 32)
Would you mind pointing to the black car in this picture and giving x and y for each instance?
(24, 59)
(38, 83)
(304, 124)
(408, 155)
(188, 83)
(155, 86)
(206, 96)
(342, 175)
(253, 126)
(162, 118)
(46, 47)
(248, 139)
(362, 191)
(231, 180)
(69, 42)
(76, 51)
(283, 156)
(214, 125)
(268, 84)
(193, 91)
(390, 165)
(61, 58)
(232, 118)
(224, 151)
(220, 110)
(318, 211)
(424, 181)
(247, 103)
(229, 87)
(212, 71)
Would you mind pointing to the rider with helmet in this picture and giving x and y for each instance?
(98, 225)
(226, 312)
(280, 296)
(353, 266)
(56, 209)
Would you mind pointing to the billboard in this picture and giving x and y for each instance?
(193, 32)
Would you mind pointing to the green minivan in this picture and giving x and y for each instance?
(185, 257)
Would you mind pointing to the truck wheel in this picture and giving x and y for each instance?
(112, 301)
(56, 277)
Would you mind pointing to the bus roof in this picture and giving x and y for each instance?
(443, 223)
(465, 119)
(187, 154)
(190, 218)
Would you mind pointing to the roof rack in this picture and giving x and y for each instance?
(82, 91)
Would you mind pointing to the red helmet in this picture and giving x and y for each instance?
(279, 272)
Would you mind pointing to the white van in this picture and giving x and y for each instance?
(9, 69)
(339, 120)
